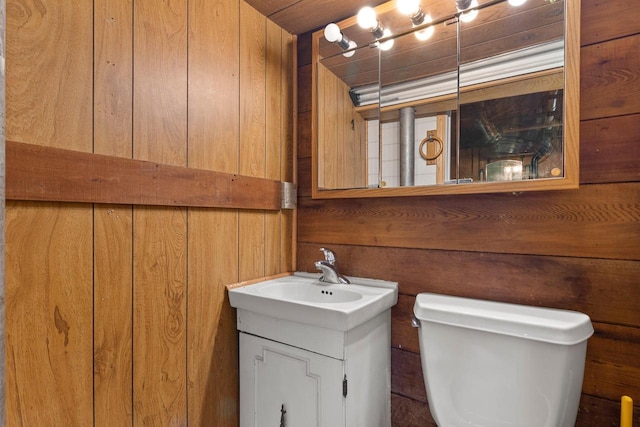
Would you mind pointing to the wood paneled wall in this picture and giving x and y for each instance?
(2, 216)
(576, 250)
(116, 314)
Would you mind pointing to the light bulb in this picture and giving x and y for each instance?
(425, 34)
(389, 43)
(367, 18)
(470, 15)
(517, 2)
(332, 33)
(408, 7)
(352, 45)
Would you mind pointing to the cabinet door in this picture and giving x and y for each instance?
(281, 385)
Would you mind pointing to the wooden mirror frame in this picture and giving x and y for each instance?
(571, 124)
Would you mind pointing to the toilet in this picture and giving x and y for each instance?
(494, 364)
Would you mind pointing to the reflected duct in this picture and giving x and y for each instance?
(407, 146)
(545, 56)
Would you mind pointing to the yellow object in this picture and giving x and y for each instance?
(626, 411)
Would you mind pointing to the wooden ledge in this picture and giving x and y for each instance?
(39, 173)
(253, 281)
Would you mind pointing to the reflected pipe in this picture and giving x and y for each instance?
(407, 146)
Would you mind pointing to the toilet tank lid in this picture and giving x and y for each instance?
(536, 323)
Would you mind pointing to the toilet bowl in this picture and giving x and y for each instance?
(500, 365)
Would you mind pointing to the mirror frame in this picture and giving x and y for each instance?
(571, 178)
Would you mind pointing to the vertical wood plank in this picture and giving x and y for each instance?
(160, 84)
(112, 315)
(49, 314)
(214, 118)
(113, 74)
(441, 126)
(49, 57)
(49, 246)
(344, 160)
(288, 143)
(160, 134)
(214, 99)
(252, 135)
(113, 224)
(212, 337)
(159, 330)
(273, 143)
(3, 175)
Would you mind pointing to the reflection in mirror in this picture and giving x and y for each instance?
(418, 89)
(511, 92)
(343, 126)
(467, 97)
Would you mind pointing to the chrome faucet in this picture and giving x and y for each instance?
(329, 268)
(329, 256)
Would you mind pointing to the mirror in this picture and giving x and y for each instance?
(451, 106)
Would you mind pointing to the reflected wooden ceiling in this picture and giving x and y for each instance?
(498, 29)
(301, 16)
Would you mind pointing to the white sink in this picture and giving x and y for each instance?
(301, 297)
(311, 293)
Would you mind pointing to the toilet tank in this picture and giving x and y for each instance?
(501, 365)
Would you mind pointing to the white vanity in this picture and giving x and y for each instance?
(315, 354)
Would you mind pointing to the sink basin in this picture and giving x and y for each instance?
(311, 293)
(301, 297)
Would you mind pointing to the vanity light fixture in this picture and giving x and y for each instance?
(425, 34)
(463, 4)
(517, 2)
(388, 44)
(333, 35)
(467, 15)
(412, 9)
(368, 20)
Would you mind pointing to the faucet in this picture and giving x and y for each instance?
(329, 268)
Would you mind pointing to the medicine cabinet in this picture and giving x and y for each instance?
(479, 100)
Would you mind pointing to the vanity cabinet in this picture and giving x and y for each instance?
(286, 385)
(295, 374)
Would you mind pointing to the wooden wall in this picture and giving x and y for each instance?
(576, 250)
(2, 208)
(116, 314)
